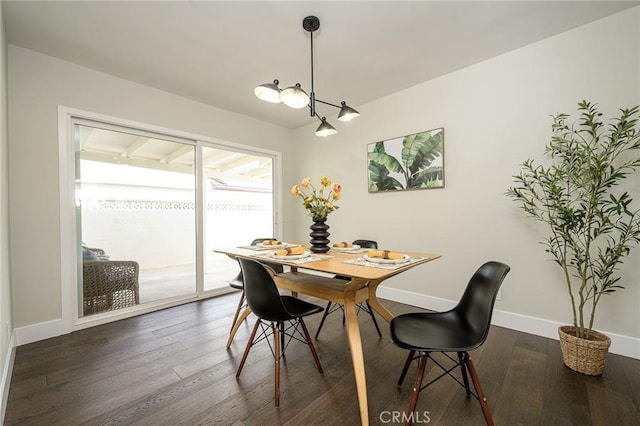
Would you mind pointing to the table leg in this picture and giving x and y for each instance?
(375, 304)
(357, 357)
(236, 326)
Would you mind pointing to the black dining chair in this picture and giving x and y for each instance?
(362, 306)
(238, 283)
(278, 315)
(458, 330)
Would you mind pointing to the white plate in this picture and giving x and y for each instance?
(352, 248)
(291, 256)
(277, 246)
(381, 260)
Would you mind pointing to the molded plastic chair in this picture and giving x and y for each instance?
(459, 330)
(361, 305)
(273, 312)
(238, 283)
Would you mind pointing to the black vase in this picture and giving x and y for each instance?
(319, 235)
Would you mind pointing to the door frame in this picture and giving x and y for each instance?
(69, 266)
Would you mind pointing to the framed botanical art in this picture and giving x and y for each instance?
(410, 162)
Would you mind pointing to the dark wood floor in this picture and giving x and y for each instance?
(171, 367)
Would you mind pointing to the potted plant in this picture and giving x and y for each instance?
(591, 222)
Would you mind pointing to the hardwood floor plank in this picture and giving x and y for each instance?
(145, 406)
(79, 407)
(520, 401)
(565, 397)
(600, 401)
(193, 405)
(256, 404)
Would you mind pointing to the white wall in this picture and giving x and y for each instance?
(38, 84)
(495, 114)
(6, 320)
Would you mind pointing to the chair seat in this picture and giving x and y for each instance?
(434, 332)
(299, 308)
(236, 283)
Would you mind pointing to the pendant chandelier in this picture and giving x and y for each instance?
(296, 97)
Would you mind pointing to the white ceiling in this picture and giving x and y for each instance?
(216, 52)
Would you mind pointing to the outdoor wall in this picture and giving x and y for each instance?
(155, 226)
(495, 115)
(38, 84)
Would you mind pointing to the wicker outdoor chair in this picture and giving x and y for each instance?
(109, 285)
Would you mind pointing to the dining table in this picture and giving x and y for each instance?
(316, 274)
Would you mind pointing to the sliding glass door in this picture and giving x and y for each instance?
(238, 192)
(139, 229)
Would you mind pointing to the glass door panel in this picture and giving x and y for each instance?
(135, 200)
(239, 208)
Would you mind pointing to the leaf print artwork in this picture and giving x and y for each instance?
(411, 162)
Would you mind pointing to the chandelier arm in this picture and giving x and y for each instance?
(328, 103)
(315, 114)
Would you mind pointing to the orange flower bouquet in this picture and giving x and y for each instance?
(318, 203)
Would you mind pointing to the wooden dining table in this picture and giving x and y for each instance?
(363, 276)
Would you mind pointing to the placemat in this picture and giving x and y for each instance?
(360, 250)
(263, 248)
(311, 258)
(363, 262)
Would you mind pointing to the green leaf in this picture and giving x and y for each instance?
(379, 179)
(379, 148)
(386, 160)
(428, 178)
(419, 151)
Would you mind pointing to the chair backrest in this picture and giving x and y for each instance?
(476, 305)
(275, 266)
(370, 244)
(261, 292)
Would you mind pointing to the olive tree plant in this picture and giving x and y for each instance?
(591, 222)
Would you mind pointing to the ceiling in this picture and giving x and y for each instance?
(223, 169)
(216, 52)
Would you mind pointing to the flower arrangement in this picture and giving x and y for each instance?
(318, 204)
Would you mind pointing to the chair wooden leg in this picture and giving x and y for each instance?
(311, 346)
(373, 317)
(282, 338)
(276, 338)
(246, 351)
(464, 373)
(476, 385)
(324, 317)
(238, 309)
(416, 389)
(406, 367)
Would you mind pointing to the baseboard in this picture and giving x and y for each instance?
(37, 332)
(620, 344)
(7, 368)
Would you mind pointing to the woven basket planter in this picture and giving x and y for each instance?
(582, 355)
